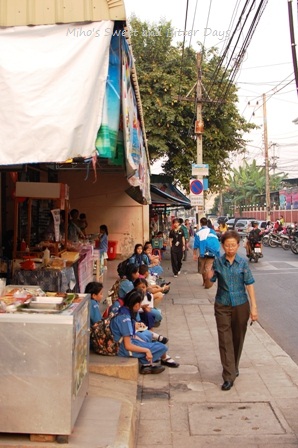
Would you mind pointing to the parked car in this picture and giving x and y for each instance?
(221, 219)
(242, 226)
(262, 224)
(230, 223)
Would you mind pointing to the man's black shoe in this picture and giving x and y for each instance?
(145, 370)
(227, 385)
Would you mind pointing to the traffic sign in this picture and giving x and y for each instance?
(200, 169)
(196, 199)
(196, 186)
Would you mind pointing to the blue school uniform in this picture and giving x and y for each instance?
(123, 325)
(146, 335)
(95, 314)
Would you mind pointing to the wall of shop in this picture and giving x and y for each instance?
(105, 202)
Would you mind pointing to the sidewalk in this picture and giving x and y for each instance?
(185, 407)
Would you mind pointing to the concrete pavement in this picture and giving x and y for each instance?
(185, 407)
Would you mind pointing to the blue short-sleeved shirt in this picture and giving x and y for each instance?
(232, 279)
(125, 286)
(122, 325)
(103, 245)
(95, 314)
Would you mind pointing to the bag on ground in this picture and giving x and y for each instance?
(101, 338)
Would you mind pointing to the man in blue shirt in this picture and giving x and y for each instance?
(232, 308)
(205, 249)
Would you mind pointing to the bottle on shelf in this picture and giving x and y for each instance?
(23, 245)
(46, 257)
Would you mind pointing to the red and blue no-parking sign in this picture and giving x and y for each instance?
(196, 186)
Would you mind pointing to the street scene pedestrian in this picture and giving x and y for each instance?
(205, 249)
(232, 308)
(177, 245)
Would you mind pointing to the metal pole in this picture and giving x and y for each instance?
(293, 44)
(199, 125)
(267, 178)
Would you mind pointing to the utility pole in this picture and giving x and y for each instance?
(293, 44)
(199, 126)
(267, 181)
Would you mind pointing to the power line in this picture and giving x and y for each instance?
(183, 47)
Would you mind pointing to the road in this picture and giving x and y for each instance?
(277, 295)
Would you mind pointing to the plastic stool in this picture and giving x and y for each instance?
(157, 252)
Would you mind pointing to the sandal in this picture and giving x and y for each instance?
(169, 362)
(162, 339)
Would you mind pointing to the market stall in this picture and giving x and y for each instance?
(54, 263)
(44, 356)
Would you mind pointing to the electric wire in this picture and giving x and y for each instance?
(207, 23)
(183, 47)
(193, 23)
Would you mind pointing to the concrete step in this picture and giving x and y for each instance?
(114, 366)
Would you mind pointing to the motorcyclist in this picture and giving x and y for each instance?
(254, 237)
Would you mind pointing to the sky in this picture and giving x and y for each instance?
(267, 67)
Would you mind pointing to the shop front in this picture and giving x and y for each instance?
(62, 149)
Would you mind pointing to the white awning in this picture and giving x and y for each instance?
(52, 86)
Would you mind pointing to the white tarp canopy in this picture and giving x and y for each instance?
(52, 87)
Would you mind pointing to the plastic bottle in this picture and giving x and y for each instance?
(23, 245)
(46, 257)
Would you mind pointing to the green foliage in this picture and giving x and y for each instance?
(166, 75)
(246, 184)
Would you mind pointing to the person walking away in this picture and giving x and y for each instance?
(177, 245)
(103, 244)
(232, 307)
(186, 236)
(206, 248)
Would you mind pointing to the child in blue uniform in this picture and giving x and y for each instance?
(123, 329)
(95, 289)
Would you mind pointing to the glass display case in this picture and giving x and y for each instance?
(44, 361)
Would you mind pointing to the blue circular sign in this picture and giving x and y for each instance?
(196, 186)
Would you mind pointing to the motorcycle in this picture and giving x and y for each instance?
(256, 252)
(279, 239)
(294, 243)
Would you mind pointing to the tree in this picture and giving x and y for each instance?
(246, 184)
(166, 74)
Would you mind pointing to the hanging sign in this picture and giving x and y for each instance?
(196, 186)
(200, 169)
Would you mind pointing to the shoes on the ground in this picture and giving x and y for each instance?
(169, 362)
(227, 385)
(175, 275)
(162, 339)
(146, 370)
(156, 324)
(179, 272)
